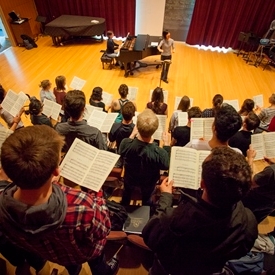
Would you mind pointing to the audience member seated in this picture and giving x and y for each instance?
(184, 105)
(242, 139)
(217, 102)
(45, 92)
(201, 234)
(35, 112)
(157, 105)
(55, 222)
(117, 104)
(96, 98)
(7, 117)
(266, 114)
(247, 107)
(76, 126)
(227, 123)
(123, 129)
(143, 159)
(182, 133)
(261, 199)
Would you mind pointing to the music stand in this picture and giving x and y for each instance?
(163, 64)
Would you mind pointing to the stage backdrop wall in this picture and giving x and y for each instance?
(149, 17)
(219, 22)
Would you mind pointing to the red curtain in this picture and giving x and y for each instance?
(119, 14)
(219, 22)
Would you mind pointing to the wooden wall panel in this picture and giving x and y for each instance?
(25, 8)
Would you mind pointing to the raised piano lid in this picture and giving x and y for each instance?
(141, 42)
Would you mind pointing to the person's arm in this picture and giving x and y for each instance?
(166, 111)
(173, 47)
(250, 154)
(159, 46)
(153, 230)
(134, 133)
(16, 120)
(262, 114)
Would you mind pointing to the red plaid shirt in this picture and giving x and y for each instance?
(80, 237)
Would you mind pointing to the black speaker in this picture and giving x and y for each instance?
(41, 19)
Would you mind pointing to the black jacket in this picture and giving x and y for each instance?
(198, 238)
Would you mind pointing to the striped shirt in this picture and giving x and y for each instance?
(265, 116)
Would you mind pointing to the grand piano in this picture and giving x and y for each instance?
(136, 48)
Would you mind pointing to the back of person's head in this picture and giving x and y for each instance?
(60, 82)
(227, 176)
(248, 106)
(97, 94)
(194, 112)
(217, 101)
(164, 34)
(74, 103)
(2, 93)
(109, 33)
(44, 84)
(30, 155)
(147, 123)
(227, 122)
(272, 99)
(123, 90)
(128, 111)
(252, 121)
(157, 95)
(184, 104)
(35, 106)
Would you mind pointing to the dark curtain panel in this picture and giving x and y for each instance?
(119, 14)
(219, 22)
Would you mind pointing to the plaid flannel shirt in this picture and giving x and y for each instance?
(81, 236)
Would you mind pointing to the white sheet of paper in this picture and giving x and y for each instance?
(89, 109)
(259, 100)
(77, 83)
(51, 109)
(132, 93)
(234, 103)
(182, 118)
(107, 98)
(162, 122)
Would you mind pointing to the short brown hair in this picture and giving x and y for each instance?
(147, 123)
(123, 90)
(194, 112)
(45, 83)
(128, 110)
(272, 99)
(60, 82)
(74, 103)
(227, 176)
(30, 155)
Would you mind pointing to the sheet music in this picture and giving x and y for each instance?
(89, 109)
(4, 133)
(269, 139)
(13, 102)
(77, 83)
(178, 99)
(51, 109)
(234, 103)
(165, 96)
(101, 120)
(87, 165)
(132, 93)
(162, 123)
(259, 100)
(257, 143)
(108, 122)
(182, 118)
(196, 130)
(208, 123)
(107, 98)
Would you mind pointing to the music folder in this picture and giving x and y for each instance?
(138, 216)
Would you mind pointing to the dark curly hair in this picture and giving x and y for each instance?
(227, 176)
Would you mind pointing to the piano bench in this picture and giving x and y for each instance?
(105, 59)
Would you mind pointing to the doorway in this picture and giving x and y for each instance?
(4, 40)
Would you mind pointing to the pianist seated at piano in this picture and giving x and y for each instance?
(113, 49)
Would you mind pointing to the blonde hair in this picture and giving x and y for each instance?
(147, 123)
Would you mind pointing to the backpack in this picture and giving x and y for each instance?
(28, 42)
(250, 264)
(118, 215)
